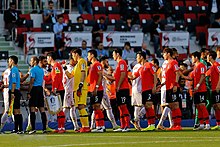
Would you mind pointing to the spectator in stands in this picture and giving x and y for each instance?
(79, 20)
(84, 49)
(58, 30)
(129, 23)
(128, 53)
(61, 51)
(11, 17)
(101, 51)
(50, 14)
(216, 23)
(213, 8)
(154, 34)
(45, 51)
(98, 29)
(88, 6)
(218, 54)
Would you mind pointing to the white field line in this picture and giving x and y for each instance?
(124, 143)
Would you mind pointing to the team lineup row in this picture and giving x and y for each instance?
(74, 80)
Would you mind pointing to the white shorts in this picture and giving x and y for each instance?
(106, 104)
(163, 98)
(6, 99)
(68, 101)
(136, 98)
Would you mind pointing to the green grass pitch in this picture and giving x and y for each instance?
(184, 138)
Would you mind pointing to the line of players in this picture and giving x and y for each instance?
(70, 81)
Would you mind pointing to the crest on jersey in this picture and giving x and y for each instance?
(83, 66)
(57, 70)
(122, 67)
(218, 67)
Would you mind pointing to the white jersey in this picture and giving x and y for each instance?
(68, 83)
(136, 84)
(163, 70)
(6, 90)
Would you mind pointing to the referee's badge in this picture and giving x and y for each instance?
(13, 75)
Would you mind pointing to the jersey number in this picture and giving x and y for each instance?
(123, 99)
(202, 98)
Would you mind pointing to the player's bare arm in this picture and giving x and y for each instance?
(200, 82)
(122, 77)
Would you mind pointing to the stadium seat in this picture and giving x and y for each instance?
(178, 9)
(113, 10)
(162, 17)
(25, 16)
(66, 18)
(35, 29)
(113, 18)
(99, 10)
(19, 32)
(87, 16)
(203, 7)
(144, 18)
(192, 7)
(97, 4)
(191, 21)
(97, 16)
(111, 4)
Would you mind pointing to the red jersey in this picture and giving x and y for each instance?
(170, 74)
(214, 72)
(56, 76)
(146, 72)
(121, 67)
(199, 70)
(93, 76)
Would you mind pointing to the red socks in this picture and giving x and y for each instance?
(61, 119)
(99, 118)
(125, 117)
(150, 115)
(177, 117)
(205, 114)
(217, 116)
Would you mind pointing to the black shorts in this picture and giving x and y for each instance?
(97, 99)
(215, 97)
(147, 96)
(17, 99)
(171, 96)
(122, 96)
(37, 97)
(200, 97)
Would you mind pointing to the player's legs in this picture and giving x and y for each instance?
(80, 103)
(216, 106)
(99, 117)
(6, 105)
(121, 97)
(173, 100)
(18, 127)
(147, 100)
(203, 115)
(107, 106)
(61, 114)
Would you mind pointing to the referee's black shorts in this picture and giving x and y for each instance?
(37, 97)
(17, 99)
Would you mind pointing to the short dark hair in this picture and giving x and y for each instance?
(103, 58)
(196, 54)
(12, 4)
(36, 59)
(156, 61)
(52, 55)
(102, 17)
(142, 54)
(168, 50)
(79, 18)
(14, 58)
(118, 50)
(50, 2)
(41, 58)
(203, 50)
(84, 41)
(78, 51)
(128, 44)
(147, 52)
(94, 52)
(156, 17)
(174, 50)
(60, 16)
(183, 64)
(213, 54)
